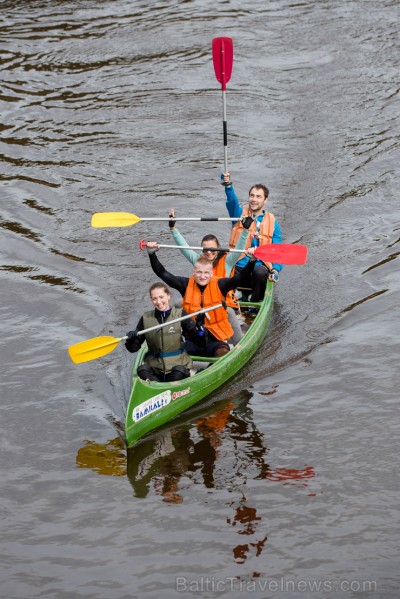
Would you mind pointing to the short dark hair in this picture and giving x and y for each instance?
(260, 186)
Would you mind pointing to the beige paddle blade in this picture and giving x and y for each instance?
(114, 219)
(92, 348)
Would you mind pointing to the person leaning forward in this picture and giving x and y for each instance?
(203, 290)
(167, 359)
(265, 229)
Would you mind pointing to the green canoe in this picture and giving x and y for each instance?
(153, 404)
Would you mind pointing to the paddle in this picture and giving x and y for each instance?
(280, 253)
(94, 348)
(222, 52)
(126, 219)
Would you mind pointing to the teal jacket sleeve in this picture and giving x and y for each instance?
(233, 257)
(180, 240)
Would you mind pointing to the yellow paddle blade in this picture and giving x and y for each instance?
(92, 348)
(114, 219)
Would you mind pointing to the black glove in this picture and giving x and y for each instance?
(130, 343)
(172, 222)
(201, 331)
(201, 340)
(247, 222)
(200, 318)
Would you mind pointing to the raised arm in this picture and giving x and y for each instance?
(180, 240)
(178, 283)
(232, 202)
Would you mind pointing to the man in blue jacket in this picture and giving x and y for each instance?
(264, 229)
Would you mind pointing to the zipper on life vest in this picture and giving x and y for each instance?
(162, 343)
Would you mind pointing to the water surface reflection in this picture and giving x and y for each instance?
(221, 448)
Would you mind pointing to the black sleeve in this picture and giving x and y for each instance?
(227, 283)
(133, 345)
(178, 283)
(189, 328)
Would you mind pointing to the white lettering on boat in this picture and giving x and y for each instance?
(151, 405)
(177, 394)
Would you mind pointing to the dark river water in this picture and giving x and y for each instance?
(286, 483)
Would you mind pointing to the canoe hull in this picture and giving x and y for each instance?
(153, 404)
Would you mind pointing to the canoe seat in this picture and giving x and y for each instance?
(203, 359)
(248, 304)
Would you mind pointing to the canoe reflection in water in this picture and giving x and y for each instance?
(104, 458)
(162, 462)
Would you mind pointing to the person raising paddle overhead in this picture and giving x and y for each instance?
(203, 290)
(265, 229)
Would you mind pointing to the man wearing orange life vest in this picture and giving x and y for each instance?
(203, 290)
(222, 262)
(265, 229)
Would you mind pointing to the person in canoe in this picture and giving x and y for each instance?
(167, 359)
(222, 262)
(203, 290)
(264, 229)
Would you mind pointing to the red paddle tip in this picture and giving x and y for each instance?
(222, 51)
(142, 244)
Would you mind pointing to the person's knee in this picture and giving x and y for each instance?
(261, 273)
(221, 350)
(178, 373)
(146, 372)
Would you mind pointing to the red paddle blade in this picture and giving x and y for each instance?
(222, 52)
(282, 253)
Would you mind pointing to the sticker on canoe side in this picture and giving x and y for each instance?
(177, 394)
(151, 405)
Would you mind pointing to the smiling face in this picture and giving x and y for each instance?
(209, 255)
(202, 273)
(160, 299)
(257, 199)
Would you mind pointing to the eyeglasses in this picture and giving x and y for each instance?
(205, 250)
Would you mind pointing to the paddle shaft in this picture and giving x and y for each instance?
(225, 131)
(164, 324)
(194, 247)
(202, 218)
(91, 349)
(277, 253)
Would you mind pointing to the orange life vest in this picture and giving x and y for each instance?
(264, 232)
(193, 300)
(220, 271)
